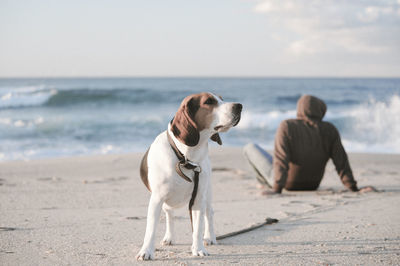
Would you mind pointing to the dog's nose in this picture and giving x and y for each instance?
(237, 107)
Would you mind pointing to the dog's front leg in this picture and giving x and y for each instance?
(153, 215)
(209, 235)
(198, 231)
(169, 232)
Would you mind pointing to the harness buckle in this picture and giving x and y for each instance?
(196, 168)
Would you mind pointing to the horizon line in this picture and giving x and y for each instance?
(198, 77)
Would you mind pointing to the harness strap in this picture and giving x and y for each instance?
(188, 165)
(194, 193)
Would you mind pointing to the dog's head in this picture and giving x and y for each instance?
(204, 112)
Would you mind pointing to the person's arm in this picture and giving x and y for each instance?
(341, 162)
(281, 157)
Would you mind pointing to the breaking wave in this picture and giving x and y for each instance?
(373, 126)
(40, 96)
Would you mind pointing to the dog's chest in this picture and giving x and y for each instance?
(164, 179)
(179, 191)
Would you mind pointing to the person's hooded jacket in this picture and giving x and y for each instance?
(304, 145)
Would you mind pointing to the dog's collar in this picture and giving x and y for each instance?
(182, 160)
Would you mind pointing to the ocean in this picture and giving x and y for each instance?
(58, 117)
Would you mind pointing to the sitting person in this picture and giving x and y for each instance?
(303, 147)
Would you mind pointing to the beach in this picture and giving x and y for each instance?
(86, 87)
(91, 210)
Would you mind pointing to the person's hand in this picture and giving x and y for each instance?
(367, 189)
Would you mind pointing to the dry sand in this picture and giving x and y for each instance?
(92, 211)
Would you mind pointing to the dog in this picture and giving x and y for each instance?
(172, 180)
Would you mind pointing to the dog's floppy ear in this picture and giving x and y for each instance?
(216, 138)
(183, 125)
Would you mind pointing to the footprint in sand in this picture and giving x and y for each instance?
(3, 182)
(49, 208)
(328, 191)
(2, 228)
(286, 214)
(107, 180)
(292, 202)
(307, 206)
(370, 172)
(225, 169)
(296, 201)
(393, 173)
(135, 218)
(52, 179)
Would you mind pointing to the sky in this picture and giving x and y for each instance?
(234, 38)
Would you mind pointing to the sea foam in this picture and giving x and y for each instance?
(373, 126)
(376, 127)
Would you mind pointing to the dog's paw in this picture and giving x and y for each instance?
(200, 252)
(167, 241)
(209, 242)
(145, 254)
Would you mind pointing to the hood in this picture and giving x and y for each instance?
(310, 108)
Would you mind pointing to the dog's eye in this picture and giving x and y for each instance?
(210, 101)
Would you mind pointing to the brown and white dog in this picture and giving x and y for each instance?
(199, 118)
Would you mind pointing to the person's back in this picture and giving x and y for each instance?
(304, 145)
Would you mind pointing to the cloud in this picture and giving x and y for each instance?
(328, 26)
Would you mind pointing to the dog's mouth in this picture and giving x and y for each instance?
(223, 128)
(218, 127)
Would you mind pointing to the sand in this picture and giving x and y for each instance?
(92, 211)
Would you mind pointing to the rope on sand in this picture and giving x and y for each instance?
(248, 229)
